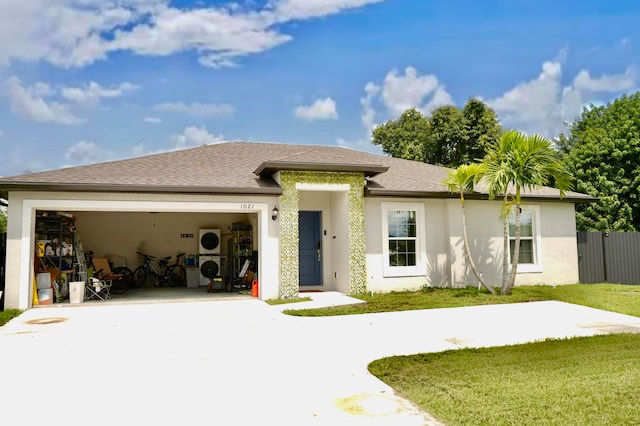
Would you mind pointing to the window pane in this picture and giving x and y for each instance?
(402, 260)
(526, 251)
(411, 259)
(393, 246)
(526, 224)
(401, 223)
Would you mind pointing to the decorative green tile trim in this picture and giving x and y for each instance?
(289, 237)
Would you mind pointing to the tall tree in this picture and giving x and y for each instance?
(515, 163)
(449, 137)
(602, 153)
(405, 137)
(449, 134)
(482, 128)
(459, 181)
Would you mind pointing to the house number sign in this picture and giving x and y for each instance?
(246, 206)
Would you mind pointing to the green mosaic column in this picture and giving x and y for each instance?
(289, 261)
(289, 237)
(357, 236)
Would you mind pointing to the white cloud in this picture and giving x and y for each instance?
(606, 83)
(321, 109)
(197, 109)
(440, 98)
(542, 105)
(368, 112)
(287, 10)
(31, 103)
(152, 120)
(195, 136)
(93, 92)
(85, 152)
(401, 92)
(76, 33)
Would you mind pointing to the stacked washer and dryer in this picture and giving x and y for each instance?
(209, 255)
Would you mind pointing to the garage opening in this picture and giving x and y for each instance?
(144, 256)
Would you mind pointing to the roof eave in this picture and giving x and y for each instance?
(269, 168)
(169, 189)
(376, 192)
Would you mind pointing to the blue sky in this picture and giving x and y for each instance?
(83, 81)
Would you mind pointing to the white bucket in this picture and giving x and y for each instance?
(76, 292)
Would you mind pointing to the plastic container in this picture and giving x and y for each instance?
(76, 292)
(43, 280)
(254, 288)
(45, 296)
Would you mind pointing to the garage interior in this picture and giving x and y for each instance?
(219, 253)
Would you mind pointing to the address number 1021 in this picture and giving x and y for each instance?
(247, 206)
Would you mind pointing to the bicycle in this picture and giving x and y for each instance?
(173, 275)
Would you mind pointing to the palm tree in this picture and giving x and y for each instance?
(514, 163)
(460, 180)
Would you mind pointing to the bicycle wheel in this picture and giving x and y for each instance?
(122, 285)
(139, 277)
(176, 275)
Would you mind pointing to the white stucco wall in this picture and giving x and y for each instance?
(444, 248)
(21, 227)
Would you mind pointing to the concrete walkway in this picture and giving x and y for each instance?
(243, 362)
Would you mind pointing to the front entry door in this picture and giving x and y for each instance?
(310, 249)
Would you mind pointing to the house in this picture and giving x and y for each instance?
(320, 218)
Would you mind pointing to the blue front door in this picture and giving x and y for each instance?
(310, 249)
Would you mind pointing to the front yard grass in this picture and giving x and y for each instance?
(5, 316)
(612, 297)
(580, 381)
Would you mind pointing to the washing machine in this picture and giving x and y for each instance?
(209, 241)
(209, 268)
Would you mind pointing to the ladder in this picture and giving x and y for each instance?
(80, 259)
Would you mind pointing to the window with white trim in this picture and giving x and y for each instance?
(530, 256)
(402, 225)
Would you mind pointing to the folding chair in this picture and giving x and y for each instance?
(97, 289)
(102, 271)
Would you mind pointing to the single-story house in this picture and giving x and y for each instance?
(320, 218)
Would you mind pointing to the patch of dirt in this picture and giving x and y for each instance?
(45, 321)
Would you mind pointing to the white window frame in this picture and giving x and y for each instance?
(404, 271)
(536, 266)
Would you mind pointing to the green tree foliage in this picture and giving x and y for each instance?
(514, 163)
(602, 153)
(404, 137)
(3, 220)
(450, 137)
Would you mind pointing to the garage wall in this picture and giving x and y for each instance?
(157, 234)
(21, 228)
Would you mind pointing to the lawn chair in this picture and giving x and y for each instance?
(97, 289)
(102, 271)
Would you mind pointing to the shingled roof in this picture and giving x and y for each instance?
(246, 168)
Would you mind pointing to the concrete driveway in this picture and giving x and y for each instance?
(243, 362)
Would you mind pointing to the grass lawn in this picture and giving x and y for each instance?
(581, 381)
(612, 297)
(5, 316)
